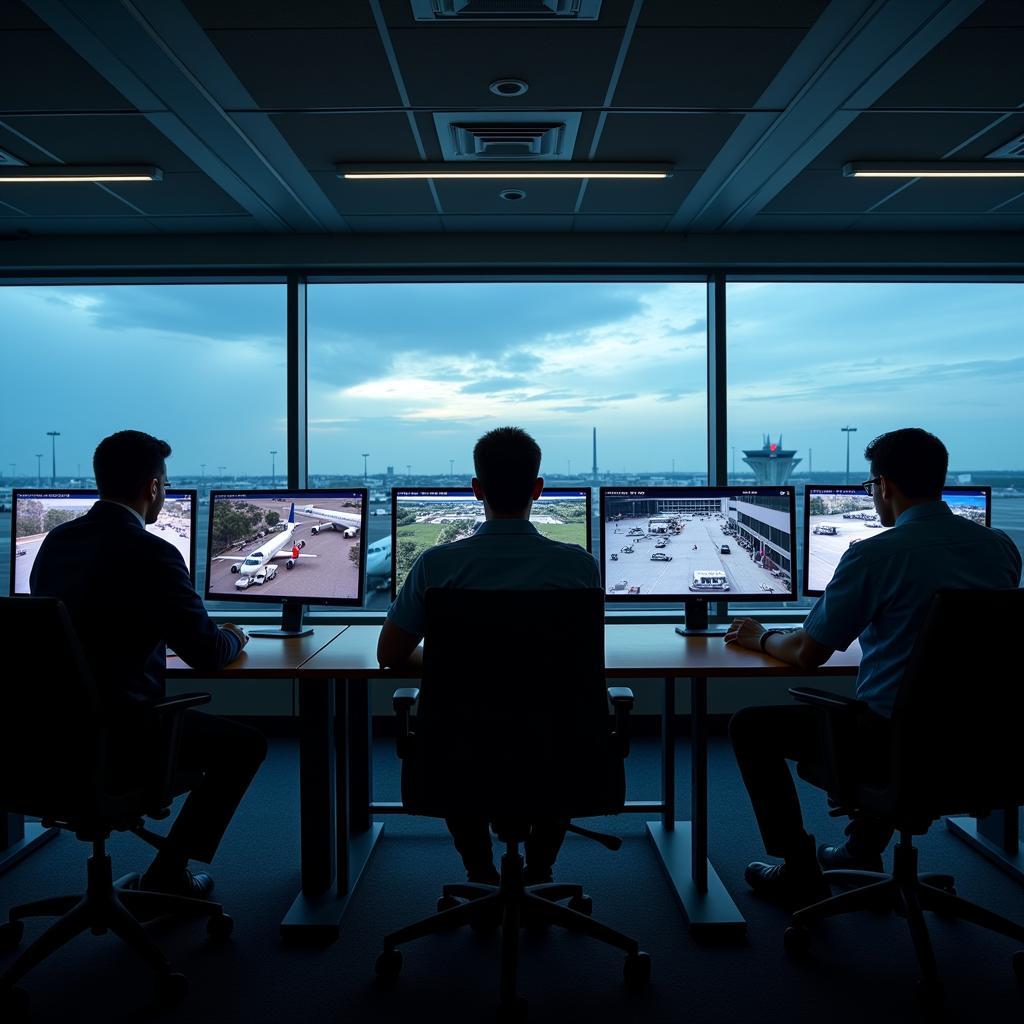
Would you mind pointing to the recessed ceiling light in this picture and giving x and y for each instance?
(67, 172)
(512, 195)
(487, 170)
(508, 87)
(933, 169)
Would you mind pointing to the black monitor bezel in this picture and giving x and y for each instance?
(396, 491)
(858, 491)
(311, 493)
(699, 491)
(70, 491)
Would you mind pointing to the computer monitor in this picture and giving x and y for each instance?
(424, 517)
(836, 517)
(698, 544)
(36, 511)
(291, 548)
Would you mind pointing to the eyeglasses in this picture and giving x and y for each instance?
(869, 485)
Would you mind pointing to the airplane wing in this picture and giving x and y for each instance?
(288, 554)
(230, 558)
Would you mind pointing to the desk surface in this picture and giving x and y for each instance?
(632, 651)
(265, 656)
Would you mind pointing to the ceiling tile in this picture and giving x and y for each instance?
(206, 225)
(505, 224)
(481, 197)
(690, 141)
(802, 222)
(179, 195)
(395, 225)
(375, 197)
(639, 196)
(264, 14)
(938, 222)
(748, 13)
(620, 223)
(322, 140)
(61, 200)
(829, 192)
(78, 226)
(941, 197)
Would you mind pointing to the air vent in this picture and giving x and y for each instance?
(506, 10)
(507, 135)
(1013, 150)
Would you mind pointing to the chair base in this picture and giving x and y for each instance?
(512, 905)
(108, 906)
(909, 894)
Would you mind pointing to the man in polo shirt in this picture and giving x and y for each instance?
(880, 593)
(505, 553)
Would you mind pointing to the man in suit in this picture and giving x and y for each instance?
(880, 594)
(128, 593)
(505, 553)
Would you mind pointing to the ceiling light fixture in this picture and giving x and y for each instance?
(508, 87)
(67, 172)
(550, 170)
(934, 169)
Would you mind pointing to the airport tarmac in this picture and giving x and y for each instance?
(657, 577)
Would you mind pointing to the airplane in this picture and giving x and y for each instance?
(378, 562)
(277, 545)
(346, 523)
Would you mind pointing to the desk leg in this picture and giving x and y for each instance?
(360, 755)
(19, 838)
(668, 756)
(997, 838)
(683, 847)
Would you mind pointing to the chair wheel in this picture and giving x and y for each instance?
(14, 1004)
(219, 927)
(388, 965)
(446, 903)
(797, 940)
(1018, 964)
(10, 935)
(171, 988)
(636, 971)
(513, 1012)
(582, 905)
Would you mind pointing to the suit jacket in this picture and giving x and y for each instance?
(128, 593)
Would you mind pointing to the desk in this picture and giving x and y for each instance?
(631, 651)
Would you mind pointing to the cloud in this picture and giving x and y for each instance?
(492, 385)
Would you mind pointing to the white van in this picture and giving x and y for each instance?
(709, 579)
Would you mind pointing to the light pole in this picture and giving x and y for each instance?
(221, 470)
(810, 462)
(53, 435)
(366, 478)
(13, 466)
(848, 431)
(273, 468)
(39, 469)
(570, 468)
(408, 469)
(451, 467)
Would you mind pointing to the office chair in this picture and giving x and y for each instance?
(513, 725)
(58, 762)
(955, 749)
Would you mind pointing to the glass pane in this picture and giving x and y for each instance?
(405, 377)
(817, 371)
(177, 361)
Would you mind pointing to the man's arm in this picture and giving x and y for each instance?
(397, 647)
(795, 648)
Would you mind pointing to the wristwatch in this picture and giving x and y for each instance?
(767, 633)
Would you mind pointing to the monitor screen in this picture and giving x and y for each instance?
(422, 518)
(698, 543)
(836, 517)
(303, 547)
(36, 512)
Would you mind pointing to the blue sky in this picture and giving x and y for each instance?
(413, 373)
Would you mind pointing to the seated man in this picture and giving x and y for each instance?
(505, 553)
(128, 593)
(880, 593)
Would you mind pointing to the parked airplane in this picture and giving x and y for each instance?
(277, 545)
(378, 562)
(346, 523)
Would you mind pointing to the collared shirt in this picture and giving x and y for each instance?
(883, 586)
(142, 522)
(503, 554)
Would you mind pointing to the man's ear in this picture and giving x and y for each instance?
(884, 487)
(477, 492)
(538, 487)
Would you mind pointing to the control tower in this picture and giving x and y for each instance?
(771, 463)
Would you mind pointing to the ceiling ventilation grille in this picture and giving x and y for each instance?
(507, 135)
(506, 10)
(1013, 150)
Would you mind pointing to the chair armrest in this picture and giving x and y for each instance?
(402, 701)
(182, 702)
(827, 701)
(165, 718)
(621, 699)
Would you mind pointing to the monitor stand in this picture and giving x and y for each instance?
(695, 613)
(291, 623)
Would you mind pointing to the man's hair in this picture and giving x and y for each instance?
(123, 462)
(914, 460)
(507, 461)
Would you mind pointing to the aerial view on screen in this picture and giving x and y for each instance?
(274, 546)
(426, 518)
(712, 543)
(35, 515)
(839, 517)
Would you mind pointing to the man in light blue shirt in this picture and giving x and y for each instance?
(880, 594)
(505, 553)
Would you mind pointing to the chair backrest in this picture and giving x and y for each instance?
(513, 715)
(51, 729)
(958, 719)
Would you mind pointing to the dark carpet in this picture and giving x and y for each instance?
(861, 969)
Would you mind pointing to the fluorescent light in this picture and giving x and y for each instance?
(68, 172)
(935, 169)
(488, 171)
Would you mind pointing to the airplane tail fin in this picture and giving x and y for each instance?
(291, 515)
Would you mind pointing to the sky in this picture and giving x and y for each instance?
(412, 374)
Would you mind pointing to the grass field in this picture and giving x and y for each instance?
(570, 533)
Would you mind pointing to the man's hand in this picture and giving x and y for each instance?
(240, 634)
(745, 633)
